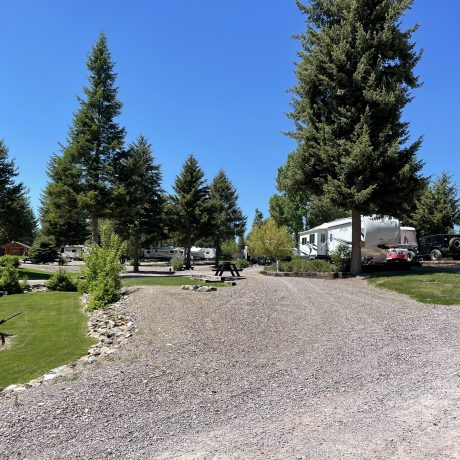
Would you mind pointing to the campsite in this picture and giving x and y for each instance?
(229, 231)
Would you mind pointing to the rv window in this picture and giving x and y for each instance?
(323, 237)
(312, 238)
(304, 240)
(148, 251)
(330, 237)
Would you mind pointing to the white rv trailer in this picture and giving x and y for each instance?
(73, 252)
(203, 253)
(320, 241)
(162, 252)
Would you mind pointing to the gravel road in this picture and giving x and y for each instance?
(274, 368)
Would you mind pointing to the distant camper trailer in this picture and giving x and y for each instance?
(203, 253)
(162, 252)
(74, 252)
(376, 234)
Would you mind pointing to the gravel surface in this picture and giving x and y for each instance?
(274, 368)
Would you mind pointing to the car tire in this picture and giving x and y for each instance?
(436, 254)
(411, 256)
(454, 243)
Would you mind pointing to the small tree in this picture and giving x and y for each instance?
(228, 221)
(138, 198)
(43, 249)
(270, 240)
(189, 209)
(438, 207)
(102, 270)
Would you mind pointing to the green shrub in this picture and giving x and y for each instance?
(13, 261)
(341, 257)
(101, 273)
(61, 281)
(298, 265)
(9, 280)
(241, 263)
(177, 263)
(43, 250)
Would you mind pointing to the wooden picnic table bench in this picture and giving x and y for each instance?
(227, 267)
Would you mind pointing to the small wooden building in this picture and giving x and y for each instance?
(14, 248)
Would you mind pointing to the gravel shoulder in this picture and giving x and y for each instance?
(274, 368)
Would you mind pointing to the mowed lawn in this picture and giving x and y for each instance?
(165, 281)
(426, 286)
(35, 274)
(50, 332)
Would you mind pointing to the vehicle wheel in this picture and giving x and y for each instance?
(410, 256)
(454, 243)
(436, 254)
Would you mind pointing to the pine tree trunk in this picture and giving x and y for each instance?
(95, 229)
(136, 254)
(355, 242)
(218, 252)
(188, 254)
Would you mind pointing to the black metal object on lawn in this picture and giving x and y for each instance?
(227, 267)
(3, 335)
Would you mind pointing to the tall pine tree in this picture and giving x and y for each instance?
(190, 209)
(228, 221)
(355, 75)
(17, 221)
(95, 142)
(138, 203)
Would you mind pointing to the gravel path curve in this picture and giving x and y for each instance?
(274, 368)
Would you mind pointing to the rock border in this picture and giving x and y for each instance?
(322, 275)
(112, 327)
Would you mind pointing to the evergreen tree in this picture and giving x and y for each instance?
(61, 216)
(95, 144)
(258, 218)
(17, 221)
(138, 204)
(189, 208)
(438, 207)
(228, 221)
(355, 74)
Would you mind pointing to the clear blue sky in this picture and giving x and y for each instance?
(196, 76)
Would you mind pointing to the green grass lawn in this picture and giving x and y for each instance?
(165, 281)
(50, 332)
(427, 286)
(34, 274)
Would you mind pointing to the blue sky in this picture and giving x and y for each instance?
(196, 76)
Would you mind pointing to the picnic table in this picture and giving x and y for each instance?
(226, 267)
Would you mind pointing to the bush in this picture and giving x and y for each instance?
(61, 281)
(9, 280)
(298, 265)
(241, 263)
(177, 263)
(13, 261)
(102, 271)
(43, 250)
(341, 257)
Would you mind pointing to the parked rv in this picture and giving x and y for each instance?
(203, 253)
(377, 235)
(162, 252)
(72, 252)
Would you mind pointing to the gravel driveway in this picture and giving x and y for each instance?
(274, 368)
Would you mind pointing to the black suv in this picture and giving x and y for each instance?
(436, 247)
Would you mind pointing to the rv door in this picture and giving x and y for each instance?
(322, 244)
